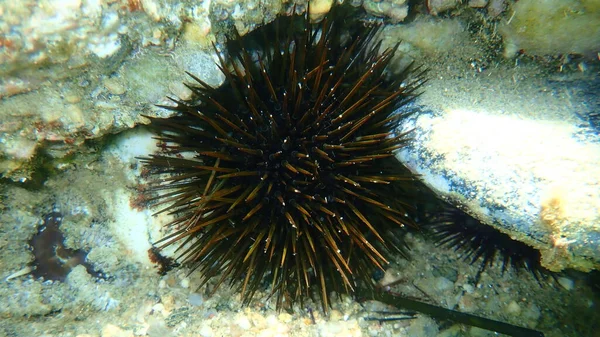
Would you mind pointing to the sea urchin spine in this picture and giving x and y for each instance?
(287, 176)
(454, 228)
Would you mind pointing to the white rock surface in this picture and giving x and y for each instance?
(537, 180)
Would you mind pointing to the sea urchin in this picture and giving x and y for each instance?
(281, 173)
(454, 228)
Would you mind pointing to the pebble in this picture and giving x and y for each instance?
(168, 302)
(185, 283)
(206, 331)
(513, 308)
(243, 322)
(396, 10)
(160, 308)
(468, 288)
(442, 283)
(195, 299)
(566, 283)
(318, 9)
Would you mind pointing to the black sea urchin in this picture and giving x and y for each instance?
(281, 172)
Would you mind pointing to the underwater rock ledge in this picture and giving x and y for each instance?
(535, 180)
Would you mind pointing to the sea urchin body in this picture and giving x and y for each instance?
(288, 178)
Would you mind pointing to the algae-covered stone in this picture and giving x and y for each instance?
(553, 27)
(76, 70)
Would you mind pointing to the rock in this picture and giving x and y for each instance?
(535, 179)
(185, 283)
(430, 35)
(566, 283)
(442, 283)
(396, 10)
(206, 331)
(478, 3)
(243, 322)
(319, 8)
(196, 299)
(553, 27)
(59, 60)
(436, 7)
(496, 7)
(513, 308)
